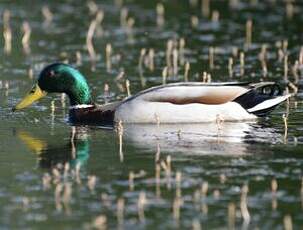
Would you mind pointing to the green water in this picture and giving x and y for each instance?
(35, 141)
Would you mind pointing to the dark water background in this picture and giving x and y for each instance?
(35, 141)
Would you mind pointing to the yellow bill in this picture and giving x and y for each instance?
(34, 95)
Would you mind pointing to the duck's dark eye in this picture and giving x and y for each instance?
(51, 73)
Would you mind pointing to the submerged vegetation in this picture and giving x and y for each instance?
(221, 175)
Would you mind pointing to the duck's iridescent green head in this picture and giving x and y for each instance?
(59, 78)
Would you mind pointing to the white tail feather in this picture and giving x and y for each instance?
(269, 103)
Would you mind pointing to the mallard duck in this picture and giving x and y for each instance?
(186, 102)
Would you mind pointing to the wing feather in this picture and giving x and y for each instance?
(187, 93)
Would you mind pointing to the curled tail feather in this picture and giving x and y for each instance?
(262, 98)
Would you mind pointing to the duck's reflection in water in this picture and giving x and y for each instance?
(75, 151)
(192, 139)
(211, 138)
